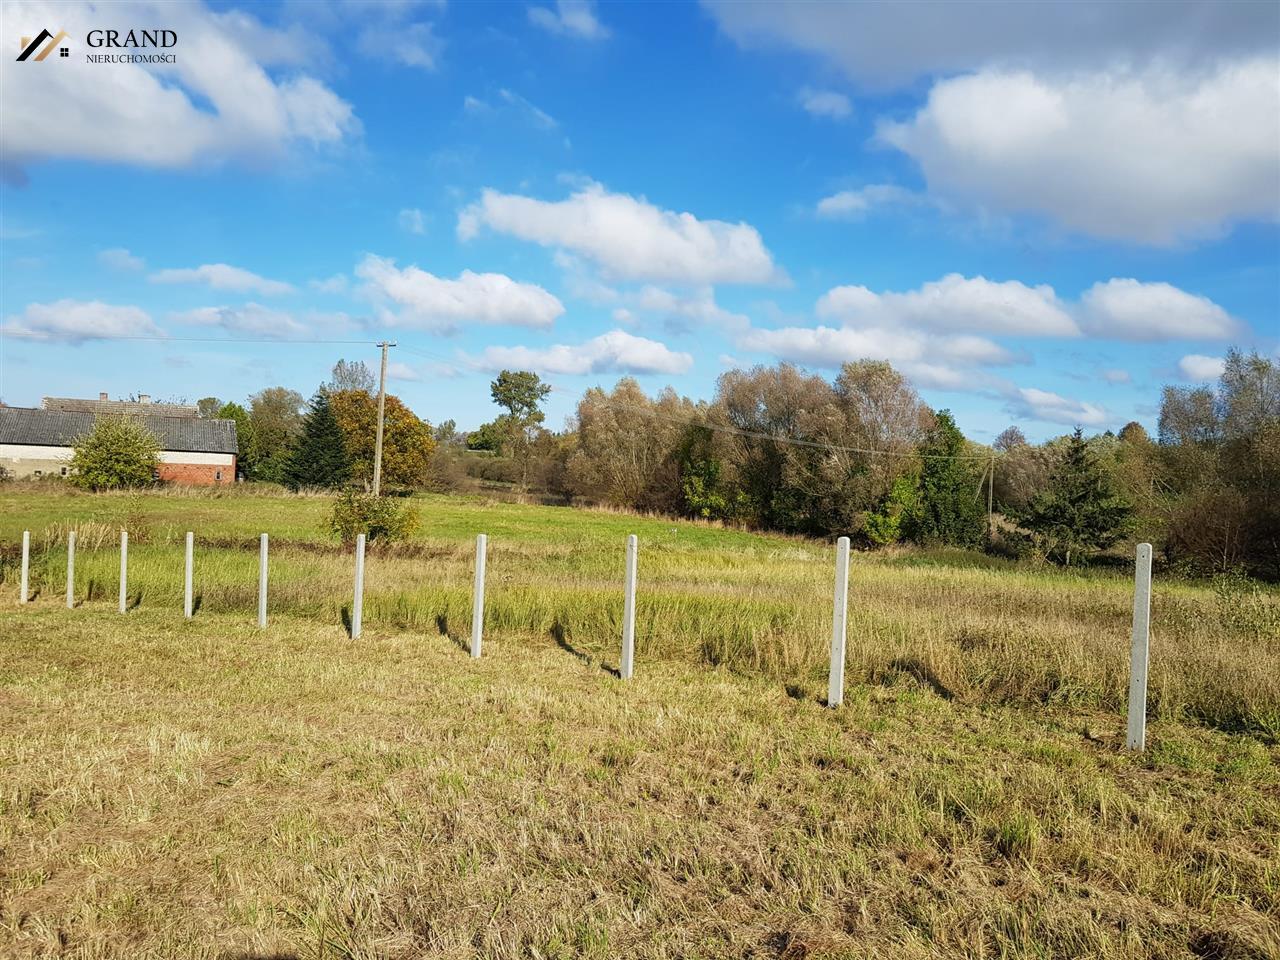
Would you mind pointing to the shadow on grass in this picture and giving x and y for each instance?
(196, 603)
(921, 673)
(346, 618)
(133, 603)
(560, 635)
(442, 625)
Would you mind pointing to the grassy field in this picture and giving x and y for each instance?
(207, 789)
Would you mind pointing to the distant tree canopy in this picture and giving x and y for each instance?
(520, 393)
(948, 509)
(320, 457)
(116, 454)
(275, 417)
(860, 455)
(351, 375)
(208, 407)
(407, 442)
(1079, 511)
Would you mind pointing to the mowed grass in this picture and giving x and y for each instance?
(969, 627)
(206, 789)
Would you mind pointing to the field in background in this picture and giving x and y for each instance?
(967, 626)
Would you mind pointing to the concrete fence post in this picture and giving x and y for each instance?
(477, 599)
(1140, 654)
(839, 617)
(71, 569)
(124, 568)
(26, 567)
(262, 581)
(357, 604)
(627, 665)
(188, 577)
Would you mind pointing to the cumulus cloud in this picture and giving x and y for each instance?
(249, 318)
(402, 371)
(947, 363)
(856, 204)
(698, 308)
(411, 221)
(825, 103)
(884, 45)
(77, 321)
(118, 258)
(1152, 157)
(1201, 369)
(1116, 376)
(336, 284)
(1031, 403)
(1124, 309)
(614, 352)
(575, 18)
(438, 303)
(219, 101)
(628, 237)
(955, 303)
(221, 276)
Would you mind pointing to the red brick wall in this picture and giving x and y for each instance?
(198, 474)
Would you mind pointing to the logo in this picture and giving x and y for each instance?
(29, 46)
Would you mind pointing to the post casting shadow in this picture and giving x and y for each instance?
(560, 635)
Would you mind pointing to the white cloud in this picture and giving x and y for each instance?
(576, 18)
(1125, 309)
(118, 258)
(886, 44)
(538, 117)
(1152, 157)
(76, 321)
(947, 363)
(438, 303)
(856, 204)
(336, 284)
(698, 307)
(218, 102)
(256, 320)
(221, 276)
(402, 371)
(410, 44)
(411, 221)
(826, 103)
(1031, 403)
(627, 236)
(614, 352)
(1116, 376)
(954, 303)
(1201, 369)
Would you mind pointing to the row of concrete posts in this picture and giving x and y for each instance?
(1139, 652)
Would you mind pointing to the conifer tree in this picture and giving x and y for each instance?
(947, 509)
(319, 458)
(1079, 511)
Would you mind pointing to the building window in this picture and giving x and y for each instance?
(217, 475)
(39, 473)
(64, 471)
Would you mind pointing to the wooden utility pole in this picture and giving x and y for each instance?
(991, 486)
(382, 412)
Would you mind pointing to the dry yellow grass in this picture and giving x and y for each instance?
(177, 790)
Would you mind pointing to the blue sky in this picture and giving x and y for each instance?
(1039, 217)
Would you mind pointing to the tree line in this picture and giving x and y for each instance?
(861, 456)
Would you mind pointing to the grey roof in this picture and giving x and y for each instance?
(132, 408)
(58, 428)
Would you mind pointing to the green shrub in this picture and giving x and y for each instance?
(116, 454)
(380, 519)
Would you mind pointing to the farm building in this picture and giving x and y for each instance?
(194, 450)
